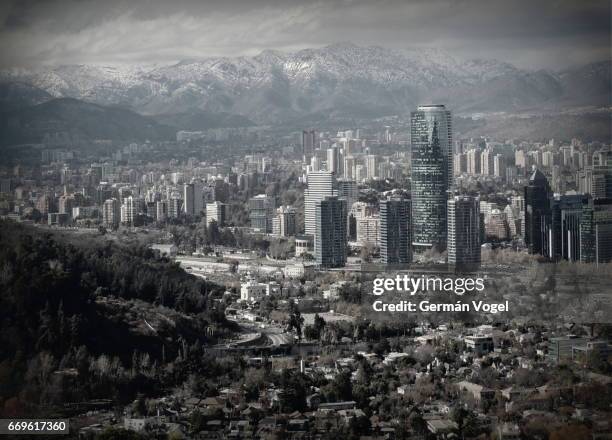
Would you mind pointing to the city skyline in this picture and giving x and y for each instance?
(287, 219)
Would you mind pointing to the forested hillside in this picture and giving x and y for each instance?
(73, 321)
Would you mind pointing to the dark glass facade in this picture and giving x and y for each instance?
(331, 236)
(464, 233)
(596, 232)
(432, 170)
(395, 243)
(566, 213)
(537, 213)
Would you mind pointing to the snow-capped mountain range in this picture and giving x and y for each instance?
(341, 79)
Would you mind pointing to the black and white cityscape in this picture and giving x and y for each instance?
(306, 220)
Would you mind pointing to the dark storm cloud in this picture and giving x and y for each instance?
(530, 33)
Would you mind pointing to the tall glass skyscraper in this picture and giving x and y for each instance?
(432, 173)
(309, 142)
(563, 226)
(537, 211)
(596, 232)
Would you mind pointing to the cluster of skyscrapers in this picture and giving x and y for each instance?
(431, 218)
(573, 226)
(348, 157)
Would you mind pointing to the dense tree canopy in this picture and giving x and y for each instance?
(77, 307)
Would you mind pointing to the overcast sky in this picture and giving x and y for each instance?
(529, 33)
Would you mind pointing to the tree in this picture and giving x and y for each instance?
(359, 426)
(315, 331)
(295, 387)
(198, 422)
(571, 432)
(367, 250)
(233, 266)
(310, 333)
(417, 422)
(341, 386)
(213, 234)
(466, 421)
(295, 320)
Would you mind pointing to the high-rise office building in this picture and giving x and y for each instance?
(309, 142)
(175, 207)
(487, 208)
(261, 212)
(596, 232)
(6, 186)
(347, 189)
(513, 228)
(284, 224)
(189, 198)
(372, 166)
(432, 173)
(499, 166)
(111, 213)
(330, 236)
(548, 159)
(537, 209)
(367, 229)
(150, 209)
(521, 159)
(473, 162)
(360, 173)
(563, 226)
(315, 164)
(216, 212)
(486, 162)
(45, 203)
(333, 160)
(595, 181)
(518, 208)
(464, 233)
(349, 167)
(161, 210)
(395, 243)
(352, 146)
(460, 164)
(602, 168)
(193, 198)
(321, 184)
(567, 156)
(219, 190)
(132, 206)
(497, 226)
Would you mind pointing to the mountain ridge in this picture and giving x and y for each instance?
(343, 78)
(78, 118)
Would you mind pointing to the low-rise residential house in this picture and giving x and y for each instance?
(337, 406)
(481, 394)
(508, 431)
(405, 389)
(479, 345)
(348, 414)
(393, 357)
(442, 428)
